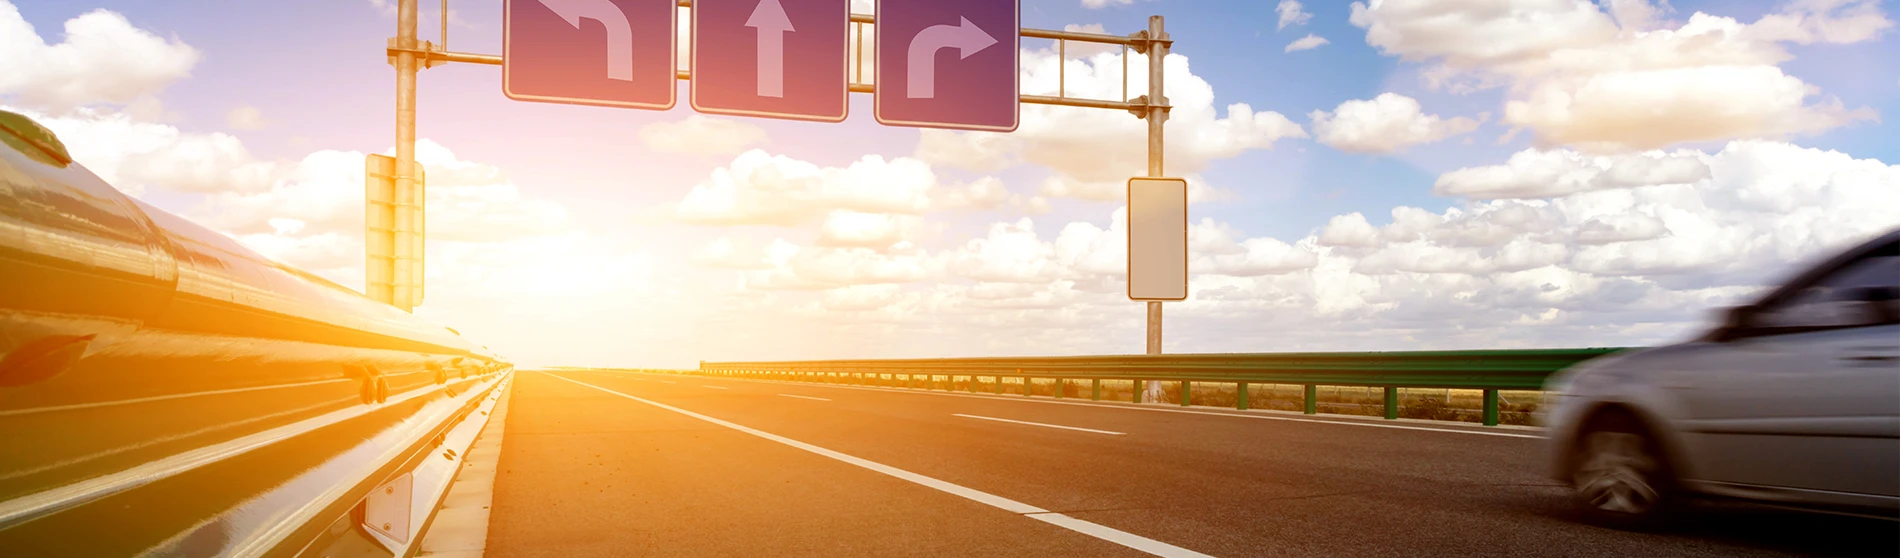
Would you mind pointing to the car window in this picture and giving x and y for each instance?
(1840, 299)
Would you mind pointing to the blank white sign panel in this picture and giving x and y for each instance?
(1157, 239)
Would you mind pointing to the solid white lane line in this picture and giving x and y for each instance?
(803, 397)
(715, 387)
(1099, 531)
(1235, 414)
(1041, 424)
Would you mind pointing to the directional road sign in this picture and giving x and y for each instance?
(1157, 239)
(948, 64)
(775, 58)
(592, 52)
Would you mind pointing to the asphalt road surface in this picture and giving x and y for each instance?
(624, 464)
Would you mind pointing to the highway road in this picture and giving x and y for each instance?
(618, 464)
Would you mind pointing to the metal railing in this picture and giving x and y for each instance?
(1489, 371)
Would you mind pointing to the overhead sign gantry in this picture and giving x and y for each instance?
(939, 64)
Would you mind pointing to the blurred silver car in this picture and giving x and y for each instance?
(1793, 400)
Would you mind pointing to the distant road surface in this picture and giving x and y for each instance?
(622, 464)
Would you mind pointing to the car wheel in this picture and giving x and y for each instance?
(1620, 476)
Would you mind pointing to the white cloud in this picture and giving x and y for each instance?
(1625, 79)
(1385, 124)
(1199, 191)
(1619, 110)
(847, 228)
(702, 135)
(1214, 250)
(1309, 42)
(858, 298)
(104, 59)
(1824, 21)
(1009, 253)
(334, 255)
(1536, 173)
(1096, 4)
(815, 268)
(1092, 150)
(1351, 229)
(986, 193)
(246, 117)
(758, 188)
(1291, 14)
(727, 253)
(1627, 250)
(468, 201)
(136, 155)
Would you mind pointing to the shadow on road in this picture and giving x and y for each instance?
(1807, 533)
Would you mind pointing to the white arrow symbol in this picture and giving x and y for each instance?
(770, 21)
(968, 38)
(619, 32)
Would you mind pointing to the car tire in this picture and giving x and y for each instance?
(1620, 476)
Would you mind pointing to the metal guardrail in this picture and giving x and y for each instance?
(1489, 371)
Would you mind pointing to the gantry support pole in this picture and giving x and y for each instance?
(1157, 116)
(403, 275)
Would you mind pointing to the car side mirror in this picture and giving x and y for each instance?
(1881, 304)
(1735, 323)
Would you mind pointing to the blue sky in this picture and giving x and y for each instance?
(315, 73)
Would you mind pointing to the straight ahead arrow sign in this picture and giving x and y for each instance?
(771, 23)
(967, 38)
(619, 31)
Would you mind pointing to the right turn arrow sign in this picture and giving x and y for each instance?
(972, 86)
(966, 38)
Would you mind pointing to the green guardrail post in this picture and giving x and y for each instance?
(1136, 396)
(1059, 387)
(1490, 407)
(1187, 393)
(1391, 403)
(1027, 382)
(1312, 399)
(1095, 390)
(1240, 392)
(999, 385)
(909, 381)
